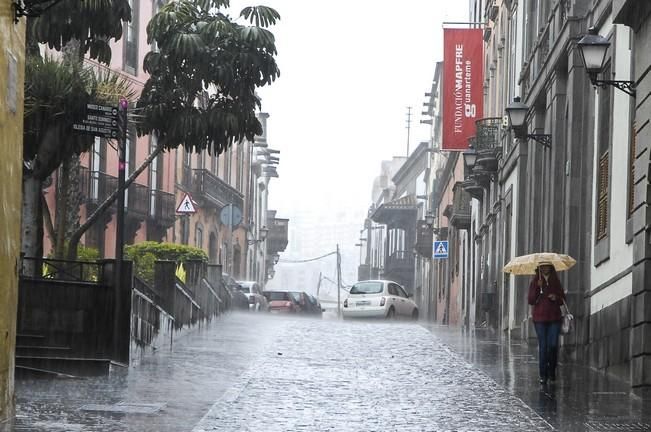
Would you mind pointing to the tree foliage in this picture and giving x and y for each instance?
(204, 74)
(93, 23)
(56, 94)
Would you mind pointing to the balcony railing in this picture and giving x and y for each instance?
(461, 212)
(277, 238)
(214, 191)
(96, 186)
(488, 133)
(137, 200)
(162, 207)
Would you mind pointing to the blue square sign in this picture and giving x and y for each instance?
(441, 249)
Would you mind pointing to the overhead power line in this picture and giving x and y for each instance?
(307, 260)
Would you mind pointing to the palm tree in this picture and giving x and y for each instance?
(56, 94)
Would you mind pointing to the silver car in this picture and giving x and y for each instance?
(379, 299)
(257, 302)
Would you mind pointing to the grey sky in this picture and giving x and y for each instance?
(348, 69)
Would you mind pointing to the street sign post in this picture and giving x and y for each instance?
(441, 249)
(100, 120)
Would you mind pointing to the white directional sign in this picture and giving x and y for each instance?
(186, 206)
(441, 249)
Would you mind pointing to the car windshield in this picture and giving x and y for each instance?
(296, 296)
(367, 288)
(276, 296)
(246, 290)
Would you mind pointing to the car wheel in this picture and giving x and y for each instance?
(414, 315)
(391, 314)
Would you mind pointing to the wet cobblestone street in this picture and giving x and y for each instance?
(327, 375)
(271, 373)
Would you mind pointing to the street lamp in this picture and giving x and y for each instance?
(594, 48)
(517, 115)
(262, 234)
(470, 159)
(429, 218)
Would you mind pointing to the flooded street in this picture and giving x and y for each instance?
(262, 372)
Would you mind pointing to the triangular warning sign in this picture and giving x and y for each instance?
(186, 206)
(441, 249)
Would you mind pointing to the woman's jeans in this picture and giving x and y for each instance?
(548, 333)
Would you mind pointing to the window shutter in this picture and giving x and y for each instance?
(602, 208)
(631, 171)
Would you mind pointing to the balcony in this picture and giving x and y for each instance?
(400, 268)
(137, 200)
(487, 142)
(277, 238)
(211, 191)
(162, 208)
(96, 186)
(461, 212)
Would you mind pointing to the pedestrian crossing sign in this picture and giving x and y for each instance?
(186, 206)
(441, 249)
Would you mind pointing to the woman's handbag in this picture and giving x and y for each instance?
(568, 320)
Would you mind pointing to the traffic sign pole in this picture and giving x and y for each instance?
(119, 226)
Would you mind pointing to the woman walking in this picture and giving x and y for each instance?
(546, 296)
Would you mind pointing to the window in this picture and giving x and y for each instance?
(95, 168)
(393, 290)
(401, 292)
(198, 235)
(131, 40)
(603, 174)
(155, 175)
(631, 170)
(368, 288)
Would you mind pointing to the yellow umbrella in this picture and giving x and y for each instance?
(527, 264)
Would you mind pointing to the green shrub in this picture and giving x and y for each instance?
(145, 254)
(85, 254)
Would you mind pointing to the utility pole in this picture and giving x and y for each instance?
(119, 228)
(408, 127)
(338, 283)
(318, 286)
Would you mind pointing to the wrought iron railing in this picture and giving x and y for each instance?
(215, 190)
(96, 186)
(147, 290)
(162, 207)
(138, 199)
(488, 133)
(47, 268)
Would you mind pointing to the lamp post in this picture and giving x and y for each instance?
(594, 48)
(517, 115)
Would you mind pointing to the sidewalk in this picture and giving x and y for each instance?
(580, 400)
(167, 391)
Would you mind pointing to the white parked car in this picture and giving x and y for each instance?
(379, 298)
(257, 302)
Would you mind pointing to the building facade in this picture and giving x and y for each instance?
(573, 183)
(238, 178)
(12, 66)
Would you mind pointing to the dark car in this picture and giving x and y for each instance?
(282, 302)
(313, 305)
(293, 302)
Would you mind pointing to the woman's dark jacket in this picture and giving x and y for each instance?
(544, 309)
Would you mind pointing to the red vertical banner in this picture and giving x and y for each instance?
(463, 82)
